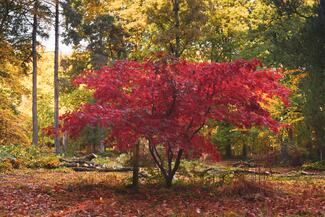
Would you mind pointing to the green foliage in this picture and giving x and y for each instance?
(210, 175)
(162, 22)
(20, 156)
(113, 160)
(225, 136)
(304, 46)
(124, 159)
(318, 165)
(153, 176)
(99, 31)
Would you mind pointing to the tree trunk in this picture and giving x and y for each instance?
(177, 25)
(135, 178)
(65, 142)
(322, 9)
(284, 148)
(172, 171)
(245, 151)
(321, 152)
(228, 151)
(168, 173)
(56, 80)
(34, 54)
(169, 182)
(101, 147)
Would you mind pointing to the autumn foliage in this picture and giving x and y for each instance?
(167, 102)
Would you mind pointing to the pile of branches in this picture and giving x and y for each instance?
(84, 164)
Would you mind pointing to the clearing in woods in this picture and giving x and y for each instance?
(67, 193)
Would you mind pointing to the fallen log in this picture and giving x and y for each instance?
(82, 160)
(242, 164)
(89, 157)
(217, 171)
(81, 164)
(250, 172)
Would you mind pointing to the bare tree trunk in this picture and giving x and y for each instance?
(135, 178)
(34, 53)
(322, 9)
(245, 151)
(284, 148)
(56, 80)
(65, 142)
(177, 25)
(321, 155)
(228, 150)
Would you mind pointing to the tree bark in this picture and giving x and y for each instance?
(170, 172)
(284, 148)
(177, 30)
(228, 151)
(135, 178)
(244, 151)
(56, 80)
(174, 170)
(34, 54)
(322, 9)
(65, 142)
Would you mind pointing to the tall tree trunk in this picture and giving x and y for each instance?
(34, 53)
(321, 151)
(228, 151)
(245, 151)
(322, 9)
(65, 142)
(135, 178)
(177, 30)
(56, 79)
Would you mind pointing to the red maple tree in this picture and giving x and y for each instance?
(167, 102)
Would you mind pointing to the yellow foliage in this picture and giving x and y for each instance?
(13, 129)
(5, 166)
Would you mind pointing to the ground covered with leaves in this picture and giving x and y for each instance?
(67, 193)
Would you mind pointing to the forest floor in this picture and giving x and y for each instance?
(66, 193)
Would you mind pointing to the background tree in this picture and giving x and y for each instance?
(16, 44)
(41, 13)
(176, 25)
(15, 47)
(305, 50)
(96, 34)
(34, 91)
(56, 78)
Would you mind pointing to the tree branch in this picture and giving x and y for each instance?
(177, 162)
(155, 158)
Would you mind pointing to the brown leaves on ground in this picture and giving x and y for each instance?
(59, 193)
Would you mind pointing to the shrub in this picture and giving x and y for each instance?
(48, 162)
(318, 165)
(5, 166)
(19, 156)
